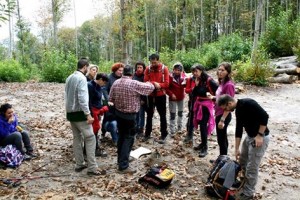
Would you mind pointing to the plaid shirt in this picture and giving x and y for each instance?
(125, 94)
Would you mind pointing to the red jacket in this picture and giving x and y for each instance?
(156, 75)
(190, 84)
(175, 88)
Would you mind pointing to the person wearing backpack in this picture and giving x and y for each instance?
(223, 118)
(252, 118)
(203, 108)
(158, 74)
(176, 97)
(12, 133)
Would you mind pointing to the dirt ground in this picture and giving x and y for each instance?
(40, 107)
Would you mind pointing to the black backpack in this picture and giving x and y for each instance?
(157, 176)
(222, 169)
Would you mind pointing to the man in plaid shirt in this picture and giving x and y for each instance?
(125, 95)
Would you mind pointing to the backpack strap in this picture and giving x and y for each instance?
(162, 71)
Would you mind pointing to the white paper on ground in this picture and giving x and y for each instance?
(139, 151)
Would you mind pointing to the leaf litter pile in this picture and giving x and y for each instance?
(40, 107)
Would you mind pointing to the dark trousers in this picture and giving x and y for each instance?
(222, 134)
(189, 124)
(17, 139)
(126, 129)
(160, 104)
(203, 125)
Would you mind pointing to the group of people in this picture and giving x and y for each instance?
(123, 98)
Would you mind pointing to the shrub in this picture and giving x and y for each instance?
(279, 37)
(105, 66)
(234, 47)
(56, 67)
(211, 58)
(255, 73)
(12, 71)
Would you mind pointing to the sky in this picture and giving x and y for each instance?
(85, 10)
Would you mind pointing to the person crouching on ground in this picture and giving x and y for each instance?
(12, 133)
(252, 118)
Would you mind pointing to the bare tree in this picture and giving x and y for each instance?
(256, 30)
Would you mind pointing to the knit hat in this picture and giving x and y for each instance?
(178, 65)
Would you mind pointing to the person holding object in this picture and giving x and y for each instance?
(12, 133)
(254, 119)
(79, 115)
(125, 95)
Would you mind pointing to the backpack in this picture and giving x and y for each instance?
(224, 178)
(157, 176)
(162, 70)
(10, 156)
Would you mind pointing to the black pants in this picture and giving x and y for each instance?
(18, 139)
(203, 125)
(222, 134)
(160, 104)
(126, 129)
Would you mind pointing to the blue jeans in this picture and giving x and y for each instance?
(111, 126)
(140, 118)
(126, 130)
(17, 139)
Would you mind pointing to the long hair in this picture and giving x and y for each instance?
(227, 67)
(204, 76)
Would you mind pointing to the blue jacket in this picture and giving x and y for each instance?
(7, 128)
(95, 95)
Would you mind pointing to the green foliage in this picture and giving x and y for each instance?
(280, 36)
(234, 47)
(105, 66)
(296, 47)
(12, 71)
(188, 58)
(211, 58)
(56, 67)
(255, 73)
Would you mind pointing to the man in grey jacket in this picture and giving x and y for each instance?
(78, 113)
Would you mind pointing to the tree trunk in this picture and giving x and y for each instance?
(54, 20)
(289, 69)
(256, 31)
(283, 78)
(147, 28)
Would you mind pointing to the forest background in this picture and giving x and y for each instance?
(246, 33)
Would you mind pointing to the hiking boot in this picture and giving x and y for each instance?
(31, 154)
(96, 173)
(146, 138)
(199, 147)
(26, 157)
(203, 152)
(161, 141)
(79, 169)
(128, 170)
(187, 140)
(242, 196)
(100, 153)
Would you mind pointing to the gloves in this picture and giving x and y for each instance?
(103, 110)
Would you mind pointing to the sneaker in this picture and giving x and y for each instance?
(96, 173)
(128, 170)
(100, 153)
(79, 169)
(203, 152)
(199, 147)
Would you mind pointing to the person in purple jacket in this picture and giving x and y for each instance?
(12, 133)
(223, 118)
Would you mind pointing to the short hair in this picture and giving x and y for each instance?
(224, 100)
(4, 108)
(139, 63)
(128, 70)
(154, 57)
(102, 76)
(117, 66)
(82, 62)
(178, 65)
